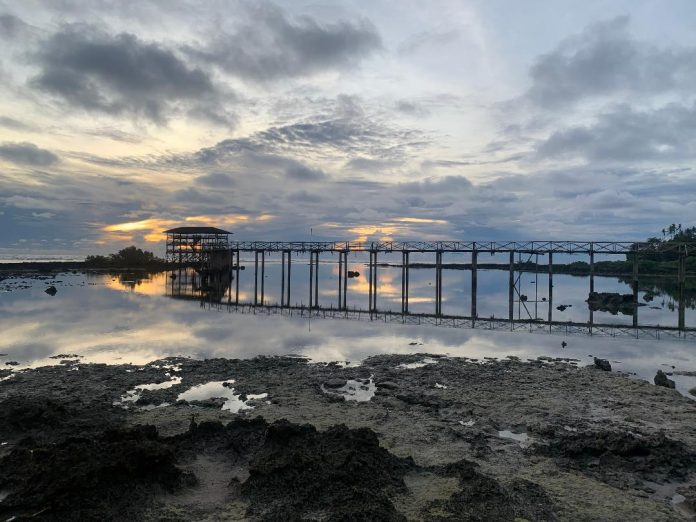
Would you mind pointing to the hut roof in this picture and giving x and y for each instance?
(197, 230)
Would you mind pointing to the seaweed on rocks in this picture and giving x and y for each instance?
(85, 478)
(484, 498)
(621, 457)
(301, 473)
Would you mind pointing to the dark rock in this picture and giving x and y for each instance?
(652, 457)
(12, 363)
(484, 498)
(84, 478)
(662, 380)
(353, 273)
(51, 290)
(602, 364)
(335, 383)
(387, 385)
(341, 473)
(612, 302)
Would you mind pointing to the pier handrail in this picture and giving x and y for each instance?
(529, 247)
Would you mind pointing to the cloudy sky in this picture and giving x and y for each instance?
(488, 119)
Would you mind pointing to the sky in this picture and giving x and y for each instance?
(343, 120)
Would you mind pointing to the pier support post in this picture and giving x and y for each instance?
(635, 290)
(682, 285)
(311, 279)
(511, 288)
(474, 284)
(345, 280)
(373, 281)
(256, 277)
(263, 276)
(340, 280)
(236, 277)
(316, 279)
(438, 283)
(550, 298)
(287, 297)
(282, 279)
(404, 280)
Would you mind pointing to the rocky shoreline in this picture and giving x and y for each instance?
(409, 437)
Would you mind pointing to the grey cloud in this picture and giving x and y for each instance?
(217, 180)
(11, 27)
(117, 74)
(623, 134)
(302, 172)
(605, 60)
(11, 123)
(27, 154)
(272, 46)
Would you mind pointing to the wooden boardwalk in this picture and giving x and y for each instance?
(530, 249)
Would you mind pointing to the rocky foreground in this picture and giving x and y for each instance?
(396, 438)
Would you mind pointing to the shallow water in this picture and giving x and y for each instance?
(134, 319)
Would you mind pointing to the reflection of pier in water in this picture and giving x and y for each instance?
(516, 325)
(518, 252)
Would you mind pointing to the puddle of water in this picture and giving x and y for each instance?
(524, 439)
(218, 390)
(681, 506)
(132, 396)
(468, 423)
(418, 364)
(353, 390)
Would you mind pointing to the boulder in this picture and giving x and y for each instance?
(51, 290)
(352, 274)
(661, 379)
(335, 383)
(602, 364)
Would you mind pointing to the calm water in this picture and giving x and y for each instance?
(128, 318)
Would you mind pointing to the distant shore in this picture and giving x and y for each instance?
(58, 266)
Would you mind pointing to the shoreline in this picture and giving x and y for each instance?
(437, 438)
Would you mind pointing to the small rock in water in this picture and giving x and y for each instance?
(353, 273)
(662, 380)
(564, 344)
(562, 308)
(602, 364)
(12, 363)
(51, 290)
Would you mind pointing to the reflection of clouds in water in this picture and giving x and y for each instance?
(113, 326)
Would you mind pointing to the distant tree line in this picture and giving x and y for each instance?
(672, 236)
(131, 257)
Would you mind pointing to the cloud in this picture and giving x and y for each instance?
(416, 42)
(121, 74)
(11, 123)
(606, 60)
(27, 154)
(11, 27)
(270, 45)
(624, 134)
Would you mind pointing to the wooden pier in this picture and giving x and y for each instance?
(524, 250)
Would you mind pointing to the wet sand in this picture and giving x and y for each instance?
(410, 437)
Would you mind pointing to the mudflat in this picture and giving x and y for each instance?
(398, 437)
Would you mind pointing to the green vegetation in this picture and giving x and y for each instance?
(129, 257)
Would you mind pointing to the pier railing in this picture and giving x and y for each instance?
(524, 247)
